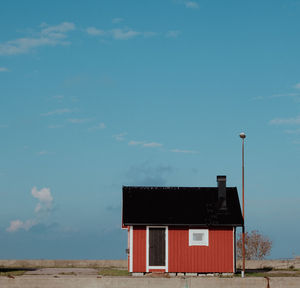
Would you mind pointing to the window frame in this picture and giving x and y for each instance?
(203, 242)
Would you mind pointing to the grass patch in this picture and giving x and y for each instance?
(113, 272)
(279, 274)
(267, 272)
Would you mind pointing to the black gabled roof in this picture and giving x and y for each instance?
(180, 206)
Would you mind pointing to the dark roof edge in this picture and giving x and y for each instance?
(166, 187)
(202, 225)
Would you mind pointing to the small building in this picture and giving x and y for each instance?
(181, 229)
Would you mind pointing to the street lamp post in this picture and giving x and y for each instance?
(243, 136)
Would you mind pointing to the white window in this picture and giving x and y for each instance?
(198, 237)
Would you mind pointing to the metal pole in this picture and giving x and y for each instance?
(243, 136)
(243, 175)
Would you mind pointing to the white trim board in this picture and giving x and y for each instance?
(157, 267)
(233, 240)
(131, 249)
(166, 249)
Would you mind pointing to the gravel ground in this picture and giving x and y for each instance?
(64, 272)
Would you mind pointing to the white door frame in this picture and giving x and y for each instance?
(148, 267)
(131, 249)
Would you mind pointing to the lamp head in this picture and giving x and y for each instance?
(243, 135)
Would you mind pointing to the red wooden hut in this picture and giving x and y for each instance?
(181, 229)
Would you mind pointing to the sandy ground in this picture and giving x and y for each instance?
(62, 272)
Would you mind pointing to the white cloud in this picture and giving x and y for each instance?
(79, 120)
(184, 151)
(57, 112)
(284, 95)
(282, 121)
(117, 20)
(173, 33)
(44, 197)
(152, 144)
(191, 4)
(294, 131)
(144, 144)
(94, 31)
(57, 31)
(124, 34)
(119, 33)
(120, 137)
(43, 152)
(134, 143)
(45, 200)
(3, 69)
(16, 225)
(281, 95)
(59, 97)
(297, 86)
(48, 36)
(99, 126)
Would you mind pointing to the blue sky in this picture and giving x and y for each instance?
(101, 94)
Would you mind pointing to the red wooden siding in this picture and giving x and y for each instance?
(216, 257)
(139, 249)
(157, 270)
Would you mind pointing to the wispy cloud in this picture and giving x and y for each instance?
(294, 96)
(150, 34)
(59, 98)
(99, 126)
(184, 151)
(294, 131)
(47, 36)
(282, 121)
(134, 143)
(188, 3)
(94, 31)
(152, 144)
(57, 31)
(43, 152)
(191, 4)
(42, 208)
(284, 95)
(2, 126)
(173, 33)
(120, 137)
(3, 69)
(119, 33)
(58, 112)
(146, 174)
(144, 144)
(117, 20)
(55, 126)
(297, 86)
(79, 120)
(124, 34)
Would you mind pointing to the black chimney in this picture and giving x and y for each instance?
(222, 191)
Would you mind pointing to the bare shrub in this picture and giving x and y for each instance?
(257, 246)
